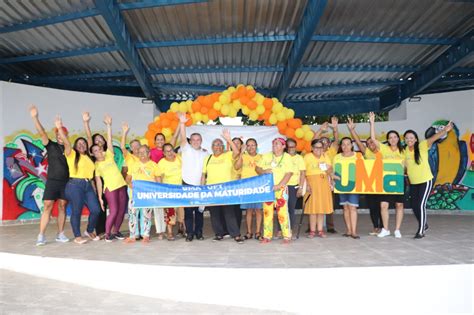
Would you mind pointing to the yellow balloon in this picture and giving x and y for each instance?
(236, 104)
(289, 113)
(231, 89)
(225, 110)
(253, 115)
(273, 119)
(204, 118)
(239, 85)
(224, 98)
(166, 132)
(260, 109)
(308, 135)
(156, 118)
(174, 107)
(217, 105)
(299, 133)
(245, 110)
(259, 98)
(249, 87)
(233, 112)
(275, 100)
(183, 107)
(143, 141)
(280, 116)
(306, 128)
(277, 107)
(197, 116)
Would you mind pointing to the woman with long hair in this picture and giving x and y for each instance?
(111, 184)
(349, 202)
(79, 189)
(246, 162)
(419, 173)
(392, 150)
(319, 198)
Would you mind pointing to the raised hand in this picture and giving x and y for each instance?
(108, 120)
(324, 126)
(86, 117)
(58, 122)
(182, 118)
(226, 135)
(371, 117)
(350, 124)
(33, 111)
(334, 122)
(125, 127)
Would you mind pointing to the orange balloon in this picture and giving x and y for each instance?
(212, 114)
(158, 124)
(162, 115)
(215, 97)
(250, 104)
(204, 110)
(235, 95)
(242, 91)
(266, 115)
(149, 133)
(174, 125)
(200, 99)
(190, 121)
(295, 123)
(171, 116)
(196, 106)
(300, 145)
(165, 123)
(282, 125)
(268, 103)
(208, 101)
(244, 100)
(290, 133)
(251, 93)
(307, 146)
(267, 123)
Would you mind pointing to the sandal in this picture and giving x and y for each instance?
(248, 236)
(311, 234)
(258, 236)
(80, 242)
(129, 240)
(265, 241)
(321, 234)
(356, 237)
(346, 235)
(146, 239)
(170, 237)
(286, 241)
(92, 236)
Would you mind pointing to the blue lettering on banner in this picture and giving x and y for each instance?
(157, 195)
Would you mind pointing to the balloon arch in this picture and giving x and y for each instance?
(227, 104)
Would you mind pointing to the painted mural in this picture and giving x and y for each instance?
(25, 165)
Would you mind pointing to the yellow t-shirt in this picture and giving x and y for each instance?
(218, 169)
(331, 153)
(418, 173)
(280, 166)
(314, 164)
(298, 164)
(130, 159)
(369, 155)
(248, 165)
(340, 157)
(387, 152)
(143, 171)
(85, 166)
(170, 171)
(110, 173)
(236, 174)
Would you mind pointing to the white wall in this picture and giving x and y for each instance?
(15, 118)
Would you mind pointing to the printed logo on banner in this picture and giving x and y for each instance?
(376, 176)
(250, 190)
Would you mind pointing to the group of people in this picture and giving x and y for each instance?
(85, 173)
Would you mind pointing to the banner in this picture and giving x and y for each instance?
(249, 190)
(369, 176)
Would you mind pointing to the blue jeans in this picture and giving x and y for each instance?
(79, 192)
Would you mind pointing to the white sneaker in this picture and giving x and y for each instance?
(397, 234)
(41, 240)
(61, 238)
(383, 233)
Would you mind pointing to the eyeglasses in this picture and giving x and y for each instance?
(317, 147)
(170, 151)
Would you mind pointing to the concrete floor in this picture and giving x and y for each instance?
(449, 241)
(24, 289)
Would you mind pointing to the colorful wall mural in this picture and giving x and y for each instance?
(25, 165)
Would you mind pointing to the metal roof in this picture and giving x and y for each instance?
(318, 56)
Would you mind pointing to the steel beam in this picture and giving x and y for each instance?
(312, 14)
(111, 13)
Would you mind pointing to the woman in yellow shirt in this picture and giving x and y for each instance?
(217, 169)
(246, 163)
(295, 185)
(349, 202)
(169, 169)
(147, 170)
(319, 199)
(395, 151)
(278, 163)
(79, 189)
(114, 186)
(419, 173)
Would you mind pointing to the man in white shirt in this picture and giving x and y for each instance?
(192, 162)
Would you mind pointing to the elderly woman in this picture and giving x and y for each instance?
(169, 169)
(278, 163)
(217, 169)
(319, 198)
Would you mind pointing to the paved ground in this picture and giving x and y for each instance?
(449, 241)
